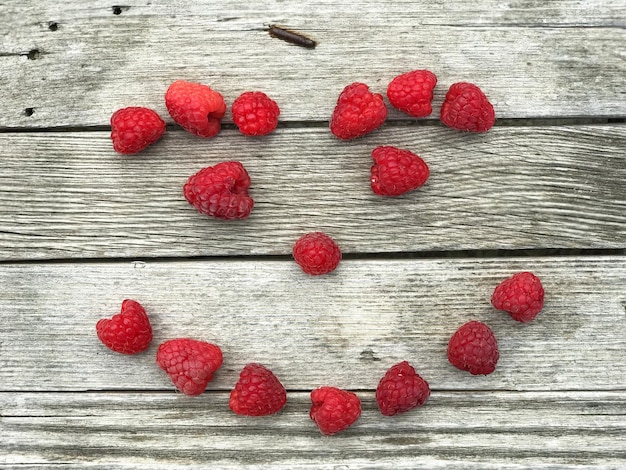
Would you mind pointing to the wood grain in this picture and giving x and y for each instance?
(477, 430)
(344, 329)
(564, 59)
(68, 195)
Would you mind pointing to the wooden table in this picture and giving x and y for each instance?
(82, 228)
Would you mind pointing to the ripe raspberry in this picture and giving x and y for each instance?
(412, 92)
(135, 128)
(316, 253)
(358, 112)
(258, 392)
(396, 171)
(466, 108)
(128, 332)
(189, 363)
(255, 113)
(220, 191)
(333, 409)
(521, 296)
(401, 389)
(195, 107)
(474, 348)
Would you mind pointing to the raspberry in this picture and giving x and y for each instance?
(189, 363)
(255, 113)
(128, 332)
(316, 253)
(220, 191)
(521, 296)
(412, 92)
(358, 112)
(135, 128)
(401, 389)
(333, 409)
(474, 348)
(466, 108)
(195, 107)
(258, 392)
(396, 171)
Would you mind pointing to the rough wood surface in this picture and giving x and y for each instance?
(344, 329)
(476, 430)
(68, 195)
(532, 59)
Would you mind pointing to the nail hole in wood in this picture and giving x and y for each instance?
(33, 54)
(29, 111)
(117, 10)
(53, 26)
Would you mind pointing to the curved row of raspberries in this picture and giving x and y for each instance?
(191, 363)
(199, 109)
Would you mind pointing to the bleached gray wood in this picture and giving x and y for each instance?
(345, 329)
(474, 430)
(69, 195)
(532, 59)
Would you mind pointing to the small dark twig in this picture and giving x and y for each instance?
(291, 37)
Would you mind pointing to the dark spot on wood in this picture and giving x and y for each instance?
(53, 25)
(29, 111)
(117, 10)
(291, 37)
(369, 355)
(33, 54)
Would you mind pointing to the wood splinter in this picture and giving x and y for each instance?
(291, 37)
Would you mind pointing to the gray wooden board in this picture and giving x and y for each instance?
(476, 430)
(532, 60)
(344, 329)
(69, 195)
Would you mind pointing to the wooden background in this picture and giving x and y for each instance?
(82, 228)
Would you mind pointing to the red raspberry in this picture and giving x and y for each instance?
(258, 392)
(128, 332)
(333, 409)
(220, 191)
(255, 113)
(358, 112)
(189, 363)
(401, 389)
(466, 108)
(474, 348)
(396, 171)
(521, 296)
(316, 253)
(195, 107)
(412, 92)
(135, 128)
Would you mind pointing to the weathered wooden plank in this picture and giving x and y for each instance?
(345, 328)
(68, 195)
(533, 60)
(452, 430)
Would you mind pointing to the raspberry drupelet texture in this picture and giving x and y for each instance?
(220, 191)
(412, 92)
(128, 332)
(135, 128)
(316, 253)
(255, 113)
(258, 392)
(521, 296)
(466, 108)
(396, 171)
(334, 409)
(189, 363)
(195, 107)
(358, 112)
(401, 389)
(474, 348)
